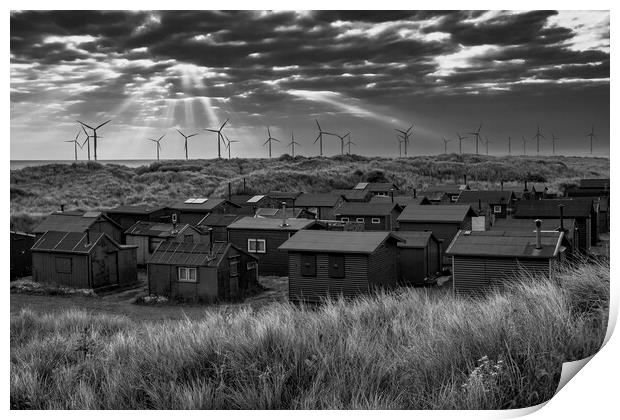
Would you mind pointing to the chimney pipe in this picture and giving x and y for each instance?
(415, 193)
(525, 189)
(254, 209)
(244, 186)
(502, 185)
(284, 223)
(561, 206)
(538, 240)
(87, 237)
(229, 191)
(62, 208)
(392, 194)
(465, 178)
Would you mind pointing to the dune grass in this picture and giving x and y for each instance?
(408, 349)
(36, 191)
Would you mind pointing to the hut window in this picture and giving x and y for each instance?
(257, 246)
(187, 274)
(454, 198)
(234, 270)
(344, 219)
(360, 219)
(188, 238)
(63, 265)
(308, 265)
(251, 266)
(497, 209)
(375, 220)
(336, 266)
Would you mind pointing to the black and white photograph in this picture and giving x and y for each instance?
(307, 209)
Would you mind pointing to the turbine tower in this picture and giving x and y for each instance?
(477, 136)
(349, 143)
(269, 140)
(461, 138)
(319, 138)
(445, 145)
(591, 135)
(158, 145)
(524, 141)
(405, 136)
(293, 143)
(537, 136)
(220, 138)
(76, 143)
(553, 139)
(509, 145)
(227, 145)
(487, 144)
(186, 137)
(94, 136)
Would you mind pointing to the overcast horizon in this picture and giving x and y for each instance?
(364, 72)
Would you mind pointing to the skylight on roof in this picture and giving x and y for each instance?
(196, 200)
(255, 199)
(361, 186)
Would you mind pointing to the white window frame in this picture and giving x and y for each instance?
(256, 249)
(454, 198)
(375, 220)
(497, 209)
(187, 278)
(360, 220)
(344, 219)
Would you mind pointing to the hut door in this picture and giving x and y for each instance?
(234, 276)
(113, 267)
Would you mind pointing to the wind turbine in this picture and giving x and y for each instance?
(227, 145)
(400, 145)
(524, 141)
(349, 143)
(405, 136)
(293, 143)
(509, 144)
(553, 139)
(86, 141)
(76, 143)
(158, 147)
(445, 145)
(94, 136)
(477, 135)
(186, 137)
(269, 140)
(319, 138)
(537, 136)
(341, 141)
(461, 138)
(487, 144)
(591, 135)
(220, 138)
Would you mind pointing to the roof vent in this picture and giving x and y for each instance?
(284, 219)
(467, 232)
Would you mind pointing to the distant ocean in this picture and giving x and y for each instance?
(134, 163)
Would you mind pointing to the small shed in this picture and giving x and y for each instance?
(201, 271)
(569, 226)
(127, 216)
(193, 210)
(216, 223)
(80, 221)
(581, 210)
(444, 220)
(378, 188)
(419, 258)
(446, 193)
(83, 260)
(21, 256)
(148, 235)
(330, 264)
(289, 197)
(249, 203)
(324, 205)
(485, 260)
(374, 216)
(499, 202)
(261, 236)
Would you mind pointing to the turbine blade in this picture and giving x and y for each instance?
(223, 125)
(85, 124)
(101, 125)
(78, 134)
(317, 124)
(266, 142)
(161, 137)
(180, 132)
(192, 135)
(211, 130)
(410, 128)
(317, 138)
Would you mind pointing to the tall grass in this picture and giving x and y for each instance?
(409, 349)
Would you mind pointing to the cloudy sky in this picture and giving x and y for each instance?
(366, 72)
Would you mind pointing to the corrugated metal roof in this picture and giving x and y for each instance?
(188, 253)
(336, 241)
(218, 219)
(486, 196)
(208, 205)
(72, 242)
(381, 187)
(504, 244)
(277, 213)
(441, 213)
(412, 239)
(317, 200)
(266, 223)
(550, 209)
(366, 209)
(156, 229)
(402, 200)
(67, 222)
(284, 194)
(137, 209)
(529, 225)
(601, 183)
(351, 195)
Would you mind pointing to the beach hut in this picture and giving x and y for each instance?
(324, 264)
(566, 225)
(249, 203)
(80, 221)
(419, 257)
(91, 260)
(289, 197)
(485, 260)
(201, 271)
(401, 200)
(148, 235)
(581, 210)
(444, 220)
(127, 216)
(324, 205)
(445, 194)
(499, 202)
(216, 223)
(596, 184)
(21, 256)
(378, 188)
(193, 210)
(261, 237)
(374, 216)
